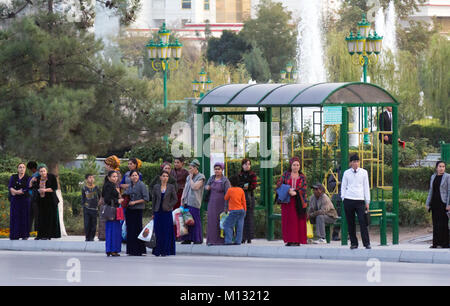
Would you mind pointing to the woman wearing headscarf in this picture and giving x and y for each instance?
(164, 198)
(166, 166)
(19, 224)
(113, 229)
(45, 186)
(138, 193)
(133, 164)
(293, 223)
(216, 188)
(112, 163)
(248, 182)
(438, 203)
(192, 199)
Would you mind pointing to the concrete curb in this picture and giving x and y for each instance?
(437, 256)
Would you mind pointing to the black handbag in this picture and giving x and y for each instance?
(367, 216)
(299, 205)
(152, 243)
(108, 212)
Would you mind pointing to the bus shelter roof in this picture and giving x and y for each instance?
(297, 95)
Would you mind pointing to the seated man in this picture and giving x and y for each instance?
(321, 211)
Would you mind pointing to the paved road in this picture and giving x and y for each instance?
(60, 269)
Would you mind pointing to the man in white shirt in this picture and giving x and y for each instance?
(355, 193)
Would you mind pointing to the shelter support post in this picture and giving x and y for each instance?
(395, 173)
(205, 153)
(344, 166)
(267, 171)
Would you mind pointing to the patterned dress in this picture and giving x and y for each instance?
(293, 226)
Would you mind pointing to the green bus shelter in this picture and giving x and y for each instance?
(265, 100)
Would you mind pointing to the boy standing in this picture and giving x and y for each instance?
(90, 195)
(237, 208)
(355, 194)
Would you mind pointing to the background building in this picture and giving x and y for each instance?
(439, 9)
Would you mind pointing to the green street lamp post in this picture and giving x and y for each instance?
(202, 85)
(161, 55)
(367, 47)
(289, 74)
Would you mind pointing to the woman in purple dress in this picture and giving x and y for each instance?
(216, 188)
(20, 204)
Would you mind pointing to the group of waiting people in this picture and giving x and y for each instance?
(35, 198)
(169, 190)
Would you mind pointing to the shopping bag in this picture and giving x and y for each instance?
(222, 218)
(181, 227)
(119, 214)
(309, 230)
(188, 219)
(124, 231)
(174, 212)
(152, 243)
(147, 232)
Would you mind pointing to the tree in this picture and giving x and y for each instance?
(65, 98)
(416, 37)
(436, 74)
(352, 10)
(228, 49)
(272, 33)
(408, 88)
(81, 11)
(257, 65)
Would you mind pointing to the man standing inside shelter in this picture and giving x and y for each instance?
(355, 194)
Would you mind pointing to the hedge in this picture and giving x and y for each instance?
(435, 134)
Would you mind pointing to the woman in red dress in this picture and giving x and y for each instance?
(293, 225)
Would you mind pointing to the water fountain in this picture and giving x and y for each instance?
(386, 26)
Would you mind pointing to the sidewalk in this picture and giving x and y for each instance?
(405, 252)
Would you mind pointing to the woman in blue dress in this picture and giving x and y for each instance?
(20, 204)
(164, 198)
(113, 229)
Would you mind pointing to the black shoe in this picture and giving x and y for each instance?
(186, 242)
(114, 254)
(199, 242)
(288, 244)
(368, 247)
(433, 247)
(108, 254)
(352, 247)
(249, 241)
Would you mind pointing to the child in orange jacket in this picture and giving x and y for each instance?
(237, 208)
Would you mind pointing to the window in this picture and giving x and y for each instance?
(186, 4)
(206, 5)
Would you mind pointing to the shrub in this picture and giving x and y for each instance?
(73, 200)
(70, 180)
(411, 213)
(433, 133)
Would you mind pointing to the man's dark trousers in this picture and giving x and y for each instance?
(359, 207)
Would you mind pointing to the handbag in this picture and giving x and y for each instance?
(126, 200)
(367, 216)
(119, 214)
(108, 212)
(309, 230)
(283, 195)
(300, 205)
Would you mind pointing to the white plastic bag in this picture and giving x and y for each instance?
(147, 232)
(174, 212)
